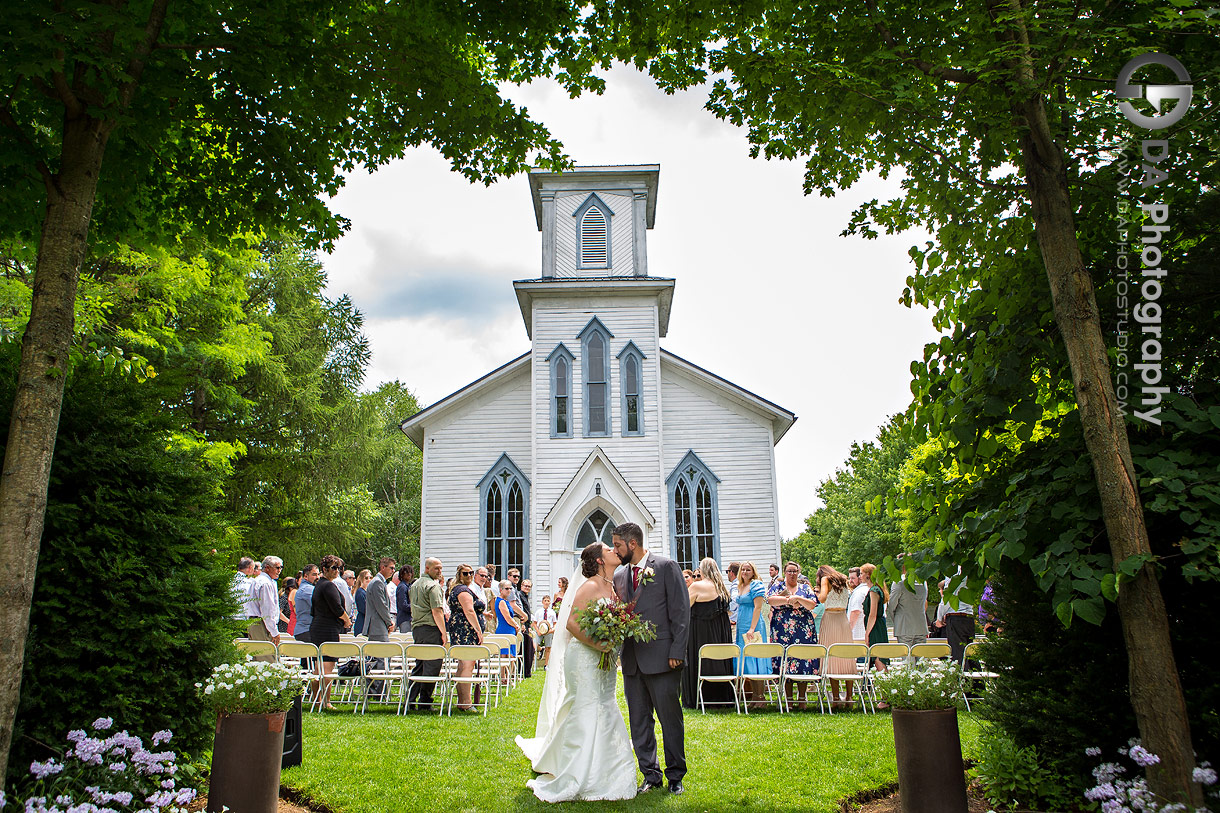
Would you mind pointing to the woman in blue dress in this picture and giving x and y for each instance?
(506, 622)
(751, 595)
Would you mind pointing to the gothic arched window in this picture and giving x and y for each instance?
(631, 383)
(694, 521)
(561, 392)
(593, 233)
(504, 517)
(595, 374)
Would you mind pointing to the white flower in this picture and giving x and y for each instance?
(648, 571)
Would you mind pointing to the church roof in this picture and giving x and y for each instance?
(781, 419)
(601, 176)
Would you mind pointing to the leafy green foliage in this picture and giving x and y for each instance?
(132, 601)
(1015, 778)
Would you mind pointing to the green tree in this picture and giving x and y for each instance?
(854, 526)
(992, 109)
(124, 117)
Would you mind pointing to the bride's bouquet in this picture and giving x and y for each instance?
(612, 621)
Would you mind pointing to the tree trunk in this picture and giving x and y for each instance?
(1156, 692)
(40, 388)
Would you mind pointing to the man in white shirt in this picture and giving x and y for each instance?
(265, 605)
(344, 582)
(241, 587)
(734, 591)
(957, 623)
(855, 604)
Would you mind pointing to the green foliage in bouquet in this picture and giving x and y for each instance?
(612, 621)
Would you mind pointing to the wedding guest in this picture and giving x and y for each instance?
(855, 604)
(731, 579)
(304, 602)
(265, 605)
(957, 623)
(241, 588)
(361, 597)
(330, 617)
(752, 627)
(546, 621)
(792, 622)
(907, 607)
(834, 595)
(560, 591)
(465, 626)
(776, 578)
(874, 613)
(709, 624)
(527, 640)
(292, 605)
(482, 582)
(688, 577)
(506, 619)
(402, 598)
(378, 622)
(286, 611)
(427, 627)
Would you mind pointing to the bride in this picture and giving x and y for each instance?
(581, 746)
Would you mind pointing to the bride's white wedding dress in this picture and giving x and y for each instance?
(581, 748)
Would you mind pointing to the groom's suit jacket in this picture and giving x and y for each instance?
(664, 601)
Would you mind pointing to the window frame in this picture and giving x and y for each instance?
(595, 328)
(631, 352)
(561, 352)
(690, 473)
(594, 202)
(502, 477)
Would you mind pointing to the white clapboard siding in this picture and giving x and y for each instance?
(621, 235)
(735, 442)
(457, 453)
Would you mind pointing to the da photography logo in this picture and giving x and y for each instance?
(1155, 225)
(1155, 94)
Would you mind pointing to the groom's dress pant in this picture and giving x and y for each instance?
(657, 693)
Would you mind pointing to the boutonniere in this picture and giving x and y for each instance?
(647, 575)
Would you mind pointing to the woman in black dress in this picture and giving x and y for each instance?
(330, 618)
(709, 624)
(465, 627)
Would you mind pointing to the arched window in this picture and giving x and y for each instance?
(597, 527)
(561, 392)
(694, 520)
(595, 368)
(631, 378)
(593, 232)
(503, 517)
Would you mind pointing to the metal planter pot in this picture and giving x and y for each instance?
(246, 757)
(930, 772)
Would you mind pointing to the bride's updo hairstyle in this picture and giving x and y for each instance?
(589, 564)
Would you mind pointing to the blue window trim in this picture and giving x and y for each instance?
(505, 472)
(631, 351)
(563, 352)
(590, 202)
(594, 326)
(690, 471)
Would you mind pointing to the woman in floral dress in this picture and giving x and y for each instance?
(792, 622)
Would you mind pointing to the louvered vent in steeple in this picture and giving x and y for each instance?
(594, 243)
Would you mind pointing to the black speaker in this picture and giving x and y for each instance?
(292, 736)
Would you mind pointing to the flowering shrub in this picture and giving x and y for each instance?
(107, 773)
(1118, 794)
(253, 687)
(929, 684)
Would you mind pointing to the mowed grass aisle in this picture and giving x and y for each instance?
(767, 761)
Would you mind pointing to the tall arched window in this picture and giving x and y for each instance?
(503, 517)
(561, 392)
(694, 520)
(631, 378)
(595, 368)
(593, 232)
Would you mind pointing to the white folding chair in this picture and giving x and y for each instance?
(383, 663)
(855, 676)
(259, 649)
(982, 674)
(507, 662)
(804, 652)
(717, 652)
(773, 680)
(889, 652)
(931, 649)
(344, 651)
(480, 677)
(429, 652)
(309, 661)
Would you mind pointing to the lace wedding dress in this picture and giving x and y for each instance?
(581, 746)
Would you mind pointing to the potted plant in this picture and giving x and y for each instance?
(251, 700)
(924, 699)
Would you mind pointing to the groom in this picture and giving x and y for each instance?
(652, 671)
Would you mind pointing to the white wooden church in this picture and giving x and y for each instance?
(597, 424)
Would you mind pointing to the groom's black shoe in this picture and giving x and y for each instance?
(675, 788)
(646, 786)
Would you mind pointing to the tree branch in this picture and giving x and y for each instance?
(6, 118)
(940, 72)
(135, 66)
(964, 174)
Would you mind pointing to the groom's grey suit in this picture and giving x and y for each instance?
(648, 682)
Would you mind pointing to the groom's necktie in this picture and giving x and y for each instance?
(635, 577)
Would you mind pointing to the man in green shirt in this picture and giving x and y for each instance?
(427, 596)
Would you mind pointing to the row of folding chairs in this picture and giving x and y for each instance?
(384, 670)
(859, 676)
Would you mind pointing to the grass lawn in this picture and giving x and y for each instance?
(766, 761)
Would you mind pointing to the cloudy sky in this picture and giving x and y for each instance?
(768, 294)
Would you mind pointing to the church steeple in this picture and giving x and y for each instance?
(594, 220)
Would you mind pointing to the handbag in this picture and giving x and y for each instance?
(753, 637)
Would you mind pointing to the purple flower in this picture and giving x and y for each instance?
(1092, 751)
(41, 770)
(102, 723)
(1142, 756)
(1204, 774)
(165, 735)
